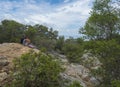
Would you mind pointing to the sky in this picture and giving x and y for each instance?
(65, 16)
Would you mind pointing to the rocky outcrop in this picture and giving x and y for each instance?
(3, 61)
(90, 61)
(73, 72)
(8, 52)
(78, 72)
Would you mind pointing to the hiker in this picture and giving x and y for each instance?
(22, 39)
(26, 41)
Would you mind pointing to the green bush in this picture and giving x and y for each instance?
(108, 53)
(59, 44)
(35, 70)
(75, 84)
(116, 83)
(46, 43)
(73, 52)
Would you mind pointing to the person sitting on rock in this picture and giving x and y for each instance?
(22, 39)
(26, 41)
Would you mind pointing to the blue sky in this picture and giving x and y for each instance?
(65, 16)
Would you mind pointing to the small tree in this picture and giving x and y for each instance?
(10, 31)
(108, 53)
(103, 22)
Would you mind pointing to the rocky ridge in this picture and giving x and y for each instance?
(73, 72)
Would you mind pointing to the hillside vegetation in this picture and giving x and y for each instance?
(99, 44)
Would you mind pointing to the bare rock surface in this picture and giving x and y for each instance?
(77, 72)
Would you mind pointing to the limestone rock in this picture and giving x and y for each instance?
(91, 61)
(8, 52)
(3, 76)
(3, 61)
(75, 72)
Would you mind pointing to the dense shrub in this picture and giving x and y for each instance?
(116, 83)
(35, 70)
(108, 53)
(75, 84)
(73, 52)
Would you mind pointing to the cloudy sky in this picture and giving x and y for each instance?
(65, 16)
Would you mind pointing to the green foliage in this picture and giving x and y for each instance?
(52, 34)
(73, 50)
(116, 83)
(103, 30)
(45, 32)
(103, 22)
(60, 43)
(48, 44)
(108, 53)
(75, 84)
(43, 49)
(35, 70)
(41, 36)
(45, 37)
(10, 31)
(30, 32)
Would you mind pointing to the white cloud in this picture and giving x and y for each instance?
(66, 18)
